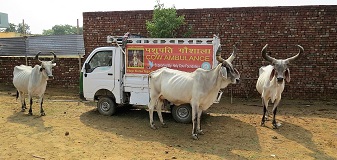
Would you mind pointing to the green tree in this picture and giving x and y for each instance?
(165, 22)
(18, 28)
(12, 28)
(23, 29)
(63, 30)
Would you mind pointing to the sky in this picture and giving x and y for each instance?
(44, 14)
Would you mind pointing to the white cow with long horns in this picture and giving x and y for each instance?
(271, 81)
(199, 88)
(33, 81)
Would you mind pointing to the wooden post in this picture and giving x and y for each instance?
(78, 27)
(231, 94)
(79, 62)
(25, 37)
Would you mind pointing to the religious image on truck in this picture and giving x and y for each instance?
(176, 56)
(135, 58)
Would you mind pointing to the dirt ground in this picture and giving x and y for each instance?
(232, 131)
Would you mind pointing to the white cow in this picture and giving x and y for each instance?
(33, 81)
(199, 88)
(270, 83)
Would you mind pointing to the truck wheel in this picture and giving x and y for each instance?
(106, 106)
(182, 113)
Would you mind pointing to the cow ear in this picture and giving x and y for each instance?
(223, 72)
(54, 64)
(272, 74)
(287, 75)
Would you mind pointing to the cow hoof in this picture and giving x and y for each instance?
(30, 113)
(266, 118)
(276, 126)
(154, 127)
(43, 114)
(201, 132)
(164, 125)
(23, 110)
(262, 124)
(195, 136)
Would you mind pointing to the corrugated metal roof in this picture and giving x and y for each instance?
(61, 44)
(12, 46)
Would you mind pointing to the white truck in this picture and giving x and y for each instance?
(117, 75)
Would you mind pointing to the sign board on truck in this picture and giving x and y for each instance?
(144, 58)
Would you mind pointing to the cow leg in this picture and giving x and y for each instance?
(23, 103)
(265, 106)
(159, 105)
(151, 107)
(30, 107)
(267, 115)
(41, 109)
(275, 125)
(199, 131)
(24, 100)
(194, 121)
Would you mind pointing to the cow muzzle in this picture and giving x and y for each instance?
(279, 80)
(50, 77)
(235, 80)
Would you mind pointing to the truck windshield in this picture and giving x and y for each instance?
(101, 59)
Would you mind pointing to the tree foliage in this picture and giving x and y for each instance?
(63, 30)
(165, 22)
(20, 28)
(11, 28)
(23, 29)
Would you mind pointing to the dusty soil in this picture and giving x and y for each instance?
(232, 131)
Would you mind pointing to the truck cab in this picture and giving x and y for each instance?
(102, 76)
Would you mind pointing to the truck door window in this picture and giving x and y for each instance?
(101, 59)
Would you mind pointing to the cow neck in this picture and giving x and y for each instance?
(38, 75)
(273, 82)
(215, 78)
(214, 83)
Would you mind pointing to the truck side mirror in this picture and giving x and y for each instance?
(87, 67)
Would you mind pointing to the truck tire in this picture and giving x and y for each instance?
(182, 113)
(106, 106)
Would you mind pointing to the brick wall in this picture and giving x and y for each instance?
(314, 75)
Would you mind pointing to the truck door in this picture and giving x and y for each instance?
(99, 73)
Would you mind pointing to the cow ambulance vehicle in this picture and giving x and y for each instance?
(117, 75)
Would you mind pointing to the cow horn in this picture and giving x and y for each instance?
(265, 56)
(37, 56)
(54, 59)
(301, 50)
(231, 58)
(218, 55)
